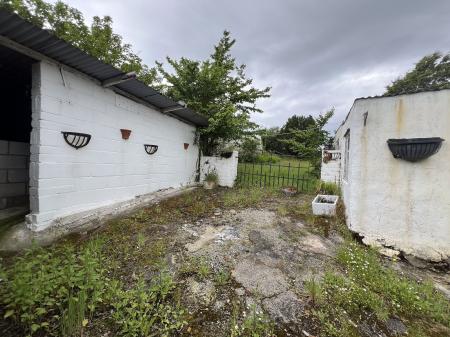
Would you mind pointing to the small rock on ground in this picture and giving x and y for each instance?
(259, 278)
(396, 327)
(285, 308)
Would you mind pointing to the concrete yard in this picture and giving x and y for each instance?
(236, 254)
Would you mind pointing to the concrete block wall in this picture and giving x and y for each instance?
(66, 181)
(331, 169)
(14, 163)
(226, 168)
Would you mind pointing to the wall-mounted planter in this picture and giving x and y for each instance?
(227, 154)
(414, 149)
(125, 133)
(186, 145)
(150, 149)
(76, 139)
(325, 205)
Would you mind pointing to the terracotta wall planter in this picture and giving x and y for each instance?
(125, 133)
(186, 145)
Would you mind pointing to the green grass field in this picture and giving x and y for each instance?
(288, 171)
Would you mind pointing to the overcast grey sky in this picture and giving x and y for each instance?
(315, 54)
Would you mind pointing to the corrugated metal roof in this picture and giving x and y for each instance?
(15, 28)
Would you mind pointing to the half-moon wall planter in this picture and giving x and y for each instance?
(414, 149)
(186, 145)
(150, 149)
(76, 139)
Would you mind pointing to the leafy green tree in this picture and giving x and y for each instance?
(271, 141)
(306, 143)
(98, 40)
(217, 88)
(274, 138)
(297, 123)
(432, 72)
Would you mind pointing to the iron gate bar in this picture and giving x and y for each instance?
(296, 175)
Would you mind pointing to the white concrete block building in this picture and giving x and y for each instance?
(49, 87)
(398, 198)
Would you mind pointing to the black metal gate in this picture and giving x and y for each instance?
(298, 174)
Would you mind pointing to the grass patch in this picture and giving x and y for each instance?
(286, 172)
(198, 266)
(251, 322)
(246, 197)
(366, 290)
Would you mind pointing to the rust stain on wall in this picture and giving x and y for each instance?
(363, 183)
(400, 110)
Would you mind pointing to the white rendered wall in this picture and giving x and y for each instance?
(392, 201)
(14, 157)
(226, 168)
(109, 169)
(330, 170)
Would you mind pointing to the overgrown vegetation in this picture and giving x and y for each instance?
(48, 287)
(144, 310)
(120, 278)
(252, 322)
(328, 188)
(57, 291)
(366, 291)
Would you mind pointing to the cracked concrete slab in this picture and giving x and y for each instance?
(259, 279)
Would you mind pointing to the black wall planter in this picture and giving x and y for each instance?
(150, 149)
(414, 149)
(76, 139)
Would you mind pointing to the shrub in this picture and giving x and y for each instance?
(267, 158)
(328, 188)
(248, 150)
(212, 177)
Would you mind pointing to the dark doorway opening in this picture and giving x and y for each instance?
(15, 132)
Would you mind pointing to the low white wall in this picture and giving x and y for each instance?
(226, 168)
(391, 201)
(14, 157)
(109, 169)
(331, 166)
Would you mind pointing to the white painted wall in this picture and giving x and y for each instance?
(14, 157)
(109, 169)
(226, 168)
(392, 201)
(330, 170)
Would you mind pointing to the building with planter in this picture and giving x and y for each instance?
(78, 134)
(392, 157)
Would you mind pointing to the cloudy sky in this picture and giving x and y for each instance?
(315, 54)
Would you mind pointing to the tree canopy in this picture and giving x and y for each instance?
(274, 138)
(219, 89)
(305, 143)
(432, 72)
(98, 39)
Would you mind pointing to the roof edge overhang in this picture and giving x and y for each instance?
(26, 38)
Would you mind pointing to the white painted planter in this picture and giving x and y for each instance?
(209, 185)
(325, 208)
